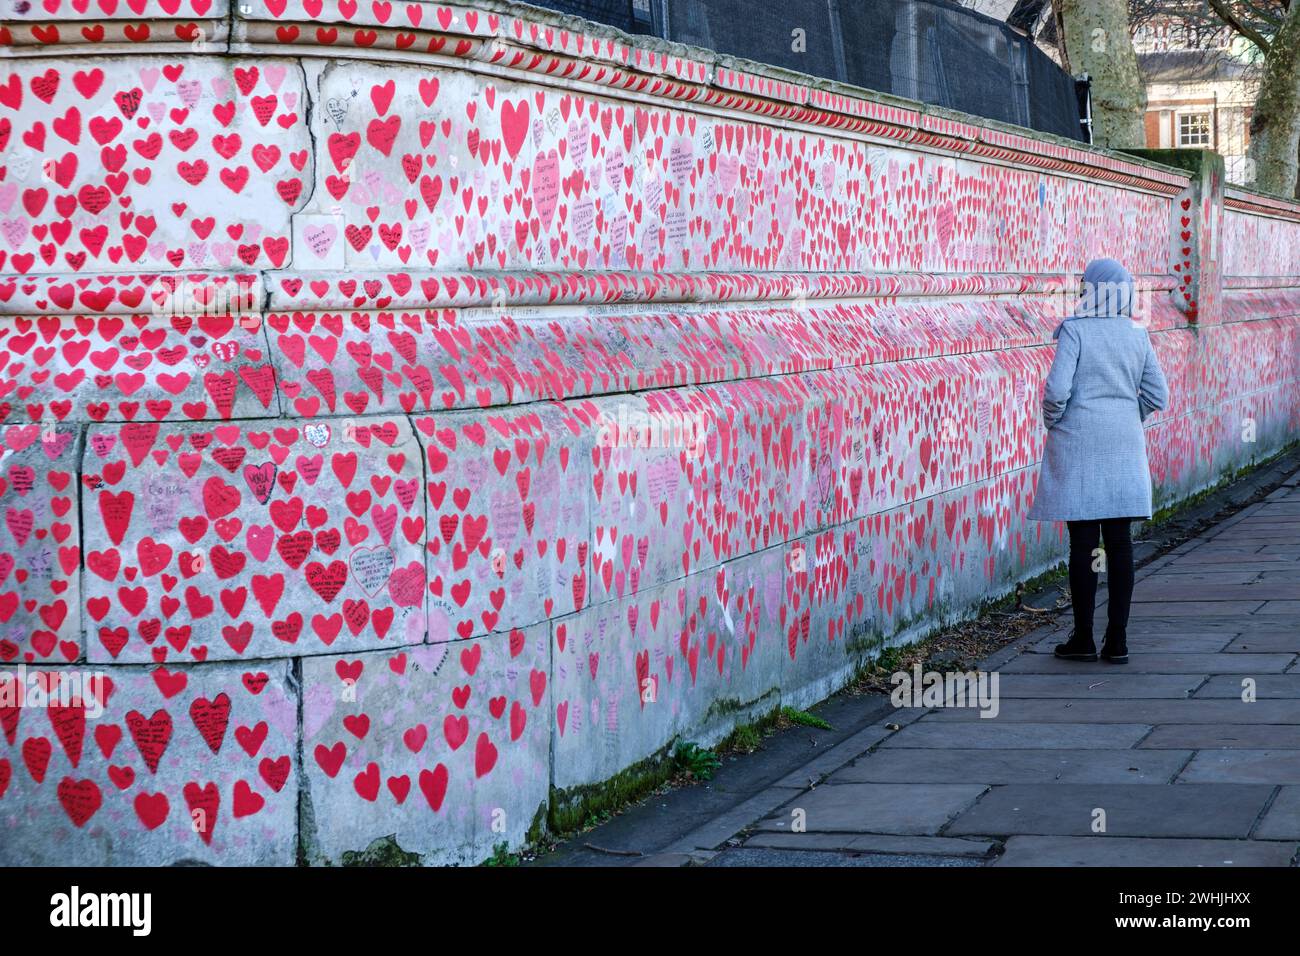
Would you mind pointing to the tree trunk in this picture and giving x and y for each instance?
(1275, 125)
(1097, 42)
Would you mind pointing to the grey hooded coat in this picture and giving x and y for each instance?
(1104, 381)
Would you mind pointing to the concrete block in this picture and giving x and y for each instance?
(392, 362)
(434, 754)
(250, 540)
(731, 644)
(650, 453)
(831, 616)
(508, 533)
(622, 680)
(166, 765)
(187, 359)
(224, 178)
(40, 549)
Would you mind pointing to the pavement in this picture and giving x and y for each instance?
(1189, 755)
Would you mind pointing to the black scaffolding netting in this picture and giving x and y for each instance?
(630, 16)
(795, 34)
(933, 51)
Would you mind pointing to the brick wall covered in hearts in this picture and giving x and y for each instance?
(416, 415)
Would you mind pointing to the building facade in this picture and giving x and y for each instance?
(1200, 87)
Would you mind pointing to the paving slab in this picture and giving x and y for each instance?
(1121, 851)
(1206, 624)
(669, 860)
(1255, 536)
(875, 808)
(1242, 766)
(1163, 589)
(1264, 624)
(1180, 564)
(1237, 736)
(1225, 548)
(1282, 821)
(835, 757)
(1238, 558)
(743, 857)
(1016, 766)
(1001, 735)
(1174, 569)
(1263, 687)
(1181, 608)
(872, 843)
(1264, 532)
(1203, 810)
(1094, 685)
(1190, 564)
(1199, 575)
(1288, 609)
(1150, 712)
(1164, 643)
(1280, 577)
(1141, 662)
(1269, 642)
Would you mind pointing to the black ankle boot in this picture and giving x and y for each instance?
(1114, 648)
(1077, 648)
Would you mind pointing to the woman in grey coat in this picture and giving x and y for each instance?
(1104, 381)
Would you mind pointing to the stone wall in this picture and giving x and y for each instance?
(414, 416)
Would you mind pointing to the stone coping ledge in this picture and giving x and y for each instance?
(133, 293)
(531, 40)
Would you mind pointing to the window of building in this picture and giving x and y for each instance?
(1194, 130)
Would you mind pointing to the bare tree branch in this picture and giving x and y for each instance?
(1231, 19)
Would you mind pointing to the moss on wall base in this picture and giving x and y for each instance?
(577, 807)
(383, 851)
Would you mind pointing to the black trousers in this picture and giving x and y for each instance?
(1086, 561)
